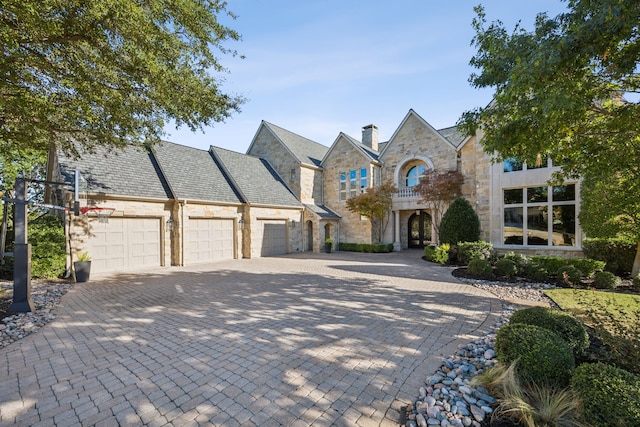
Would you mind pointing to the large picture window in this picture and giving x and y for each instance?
(540, 216)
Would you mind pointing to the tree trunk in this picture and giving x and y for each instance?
(636, 263)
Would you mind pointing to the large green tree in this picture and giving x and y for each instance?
(569, 90)
(109, 72)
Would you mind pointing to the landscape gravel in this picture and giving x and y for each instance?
(45, 296)
(448, 397)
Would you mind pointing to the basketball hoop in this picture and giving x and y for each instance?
(103, 214)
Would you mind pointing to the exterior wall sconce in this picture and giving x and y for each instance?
(241, 223)
(169, 224)
(292, 224)
(417, 212)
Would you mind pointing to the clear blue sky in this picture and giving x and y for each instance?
(320, 67)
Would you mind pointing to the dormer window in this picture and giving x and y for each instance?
(414, 175)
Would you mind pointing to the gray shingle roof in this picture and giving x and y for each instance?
(322, 211)
(130, 172)
(193, 174)
(453, 135)
(256, 179)
(367, 150)
(305, 150)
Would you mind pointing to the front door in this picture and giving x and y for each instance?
(420, 230)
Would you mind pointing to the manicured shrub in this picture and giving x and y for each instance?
(610, 396)
(587, 266)
(542, 356)
(536, 272)
(470, 250)
(506, 267)
(480, 267)
(617, 253)
(459, 223)
(520, 260)
(550, 263)
(365, 247)
(569, 275)
(568, 327)
(441, 254)
(430, 253)
(606, 280)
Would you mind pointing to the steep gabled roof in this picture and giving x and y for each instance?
(303, 149)
(410, 114)
(255, 179)
(131, 172)
(193, 174)
(372, 155)
(454, 136)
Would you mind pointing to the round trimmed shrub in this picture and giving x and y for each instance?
(569, 275)
(568, 327)
(610, 395)
(520, 260)
(460, 223)
(506, 267)
(542, 356)
(536, 272)
(480, 267)
(606, 280)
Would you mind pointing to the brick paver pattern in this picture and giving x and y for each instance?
(337, 339)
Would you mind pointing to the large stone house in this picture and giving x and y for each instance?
(176, 205)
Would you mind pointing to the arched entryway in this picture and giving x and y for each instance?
(310, 236)
(420, 229)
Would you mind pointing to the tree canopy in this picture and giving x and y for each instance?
(569, 90)
(109, 72)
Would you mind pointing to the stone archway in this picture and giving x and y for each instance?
(420, 227)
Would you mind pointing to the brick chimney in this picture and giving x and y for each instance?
(370, 136)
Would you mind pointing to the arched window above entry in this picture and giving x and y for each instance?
(414, 174)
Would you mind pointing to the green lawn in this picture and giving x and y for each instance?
(625, 308)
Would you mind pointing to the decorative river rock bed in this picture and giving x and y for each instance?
(448, 399)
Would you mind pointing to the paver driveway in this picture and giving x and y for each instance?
(338, 339)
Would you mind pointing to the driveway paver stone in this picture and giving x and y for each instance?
(339, 339)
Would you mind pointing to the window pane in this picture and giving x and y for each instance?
(352, 174)
(537, 194)
(537, 226)
(513, 227)
(513, 196)
(511, 165)
(363, 173)
(564, 225)
(541, 163)
(563, 193)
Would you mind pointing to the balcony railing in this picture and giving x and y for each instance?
(407, 193)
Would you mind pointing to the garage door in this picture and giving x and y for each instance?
(209, 240)
(124, 244)
(271, 238)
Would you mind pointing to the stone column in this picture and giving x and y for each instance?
(397, 245)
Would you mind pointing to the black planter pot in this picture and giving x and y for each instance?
(327, 247)
(83, 270)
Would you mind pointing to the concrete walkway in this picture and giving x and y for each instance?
(339, 339)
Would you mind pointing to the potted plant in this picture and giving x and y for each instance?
(82, 267)
(327, 245)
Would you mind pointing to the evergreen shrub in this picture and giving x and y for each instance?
(460, 223)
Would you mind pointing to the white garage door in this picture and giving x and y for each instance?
(271, 238)
(209, 240)
(124, 244)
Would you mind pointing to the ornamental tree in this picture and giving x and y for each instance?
(109, 72)
(438, 189)
(567, 90)
(374, 204)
